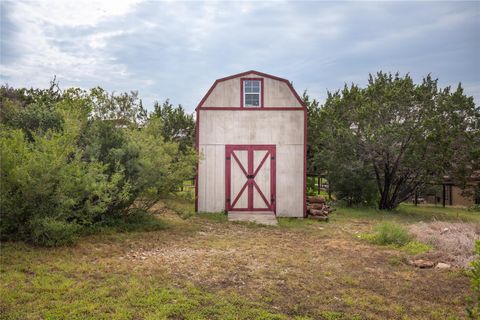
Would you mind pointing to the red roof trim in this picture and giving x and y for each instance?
(261, 74)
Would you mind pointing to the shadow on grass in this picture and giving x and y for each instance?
(139, 222)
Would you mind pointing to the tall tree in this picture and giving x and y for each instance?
(313, 130)
(178, 125)
(404, 134)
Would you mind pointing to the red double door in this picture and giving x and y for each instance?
(250, 177)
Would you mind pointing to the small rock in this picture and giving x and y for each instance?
(444, 230)
(442, 265)
(423, 264)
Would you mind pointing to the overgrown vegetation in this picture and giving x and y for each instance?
(386, 141)
(473, 309)
(74, 159)
(389, 233)
(395, 235)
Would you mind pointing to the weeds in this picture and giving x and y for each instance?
(415, 247)
(473, 308)
(388, 233)
(397, 236)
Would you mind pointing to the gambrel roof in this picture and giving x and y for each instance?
(260, 74)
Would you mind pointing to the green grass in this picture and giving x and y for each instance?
(415, 247)
(138, 222)
(390, 233)
(183, 207)
(295, 223)
(395, 235)
(407, 213)
(44, 293)
(213, 216)
(208, 268)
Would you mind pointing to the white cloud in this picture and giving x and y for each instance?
(37, 37)
(76, 13)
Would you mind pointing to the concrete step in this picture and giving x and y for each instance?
(260, 217)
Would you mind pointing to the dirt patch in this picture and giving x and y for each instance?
(300, 269)
(453, 242)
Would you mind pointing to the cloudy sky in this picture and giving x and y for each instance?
(177, 49)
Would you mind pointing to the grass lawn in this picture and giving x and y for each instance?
(204, 267)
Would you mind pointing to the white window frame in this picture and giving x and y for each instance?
(259, 93)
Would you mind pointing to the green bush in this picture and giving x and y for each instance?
(48, 231)
(67, 166)
(46, 186)
(388, 233)
(352, 185)
(391, 233)
(138, 220)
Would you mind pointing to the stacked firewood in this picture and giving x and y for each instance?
(317, 208)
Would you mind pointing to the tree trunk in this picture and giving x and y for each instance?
(387, 203)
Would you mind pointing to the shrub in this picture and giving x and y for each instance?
(138, 220)
(48, 231)
(352, 185)
(162, 166)
(67, 165)
(473, 308)
(392, 233)
(388, 233)
(46, 187)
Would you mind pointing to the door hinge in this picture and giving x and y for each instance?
(227, 158)
(272, 158)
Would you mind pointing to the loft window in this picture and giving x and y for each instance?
(252, 93)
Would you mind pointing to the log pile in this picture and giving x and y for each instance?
(317, 208)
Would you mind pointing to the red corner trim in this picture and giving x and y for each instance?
(261, 74)
(197, 130)
(305, 133)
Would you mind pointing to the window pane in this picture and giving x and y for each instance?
(252, 100)
(252, 86)
(251, 93)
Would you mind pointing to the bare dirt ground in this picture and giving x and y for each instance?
(298, 270)
(303, 270)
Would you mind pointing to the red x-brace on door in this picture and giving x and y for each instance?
(250, 177)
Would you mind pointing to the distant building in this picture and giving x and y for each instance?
(450, 194)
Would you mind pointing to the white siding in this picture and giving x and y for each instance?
(285, 129)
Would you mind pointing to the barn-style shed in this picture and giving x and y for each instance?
(251, 134)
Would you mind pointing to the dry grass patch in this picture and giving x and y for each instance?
(454, 242)
(206, 268)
